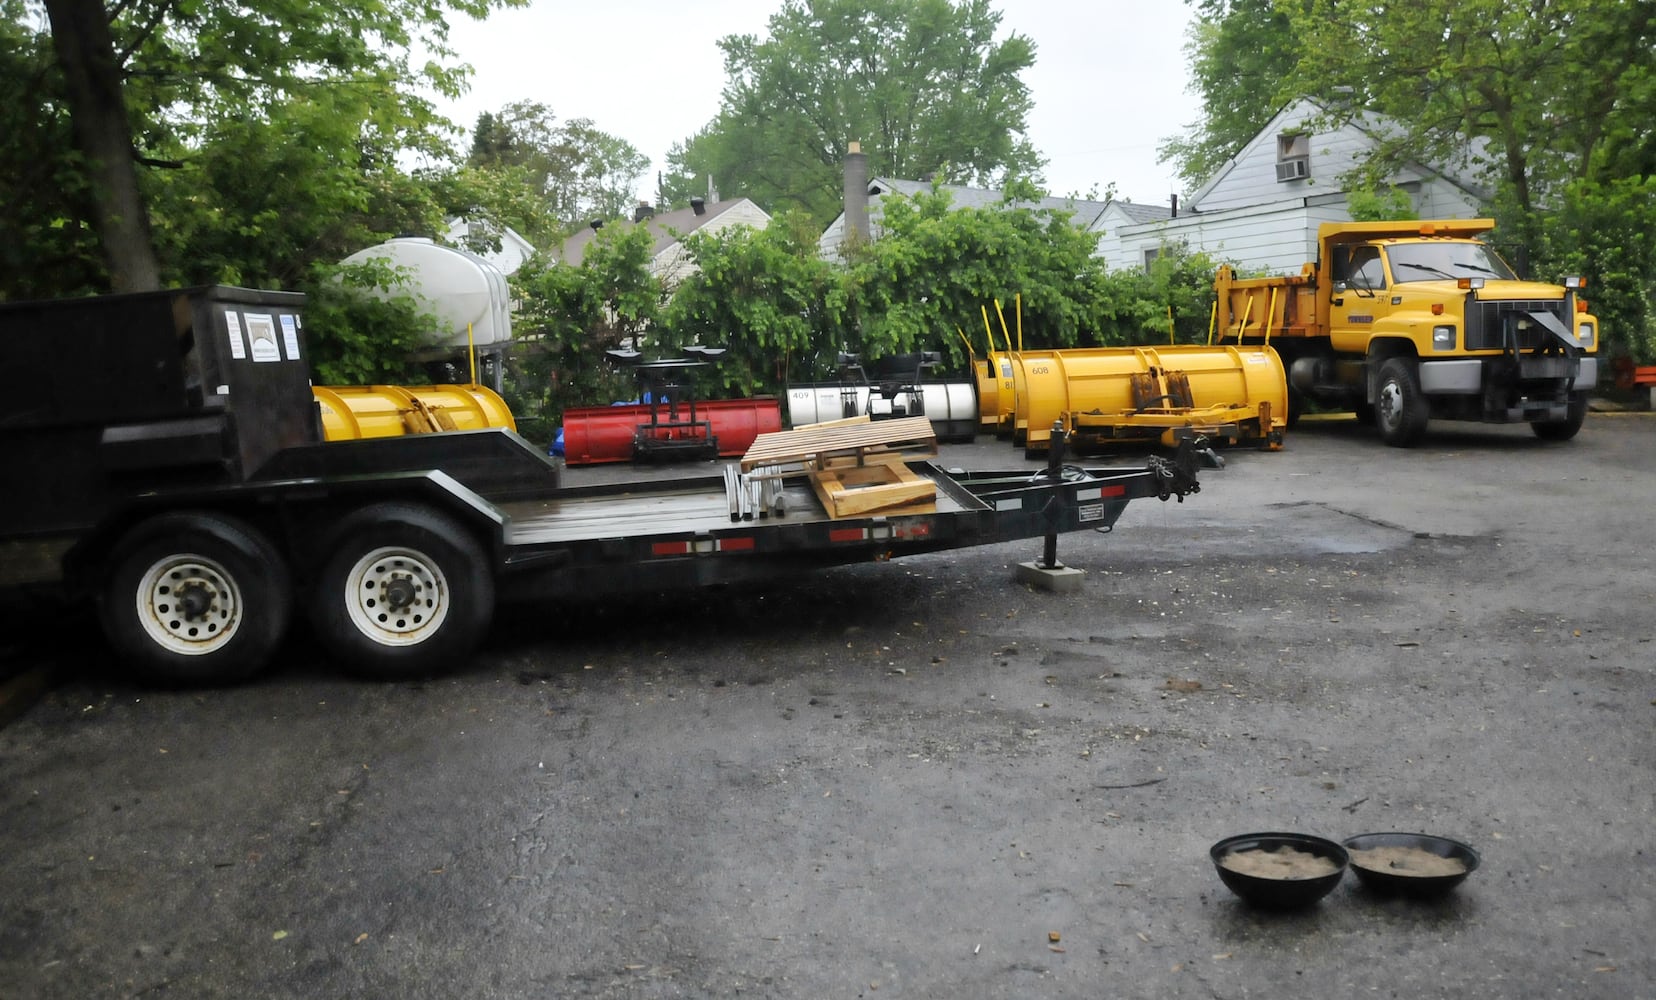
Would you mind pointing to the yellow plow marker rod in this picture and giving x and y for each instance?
(1270, 316)
(1213, 321)
(1017, 311)
(1169, 326)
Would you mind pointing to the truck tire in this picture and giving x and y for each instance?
(406, 592)
(1563, 430)
(1400, 408)
(195, 598)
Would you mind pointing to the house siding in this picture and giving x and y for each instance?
(672, 265)
(1245, 216)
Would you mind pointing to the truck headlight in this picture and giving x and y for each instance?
(1584, 333)
(1443, 338)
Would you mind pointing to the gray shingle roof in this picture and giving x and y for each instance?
(667, 228)
(970, 197)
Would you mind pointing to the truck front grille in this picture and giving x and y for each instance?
(1495, 325)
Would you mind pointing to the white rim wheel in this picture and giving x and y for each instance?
(396, 596)
(1391, 404)
(189, 604)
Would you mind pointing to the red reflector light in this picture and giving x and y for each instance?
(736, 545)
(845, 534)
(1117, 490)
(670, 549)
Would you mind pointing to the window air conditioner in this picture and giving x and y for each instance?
(1293, 170)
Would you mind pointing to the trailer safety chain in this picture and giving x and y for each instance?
(1173, 478)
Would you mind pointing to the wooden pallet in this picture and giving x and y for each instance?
(881, 483)
(856, 438)
(855, 465)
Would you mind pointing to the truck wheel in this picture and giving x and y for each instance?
(195, 599)
(1400, 408)
(1563, 430)
(406, 591)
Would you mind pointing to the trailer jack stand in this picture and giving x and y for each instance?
(1048, 573)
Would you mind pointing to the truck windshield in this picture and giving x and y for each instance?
(1429, 261)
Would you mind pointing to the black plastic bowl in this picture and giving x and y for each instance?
(1420, 886)
(1279, 893)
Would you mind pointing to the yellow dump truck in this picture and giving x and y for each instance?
(1406, 321)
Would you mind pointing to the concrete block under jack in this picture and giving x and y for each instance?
(1059, 579)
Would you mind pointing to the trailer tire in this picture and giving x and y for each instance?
(440, 586)
(195, 598)
(1400, 408)
(1563, 430)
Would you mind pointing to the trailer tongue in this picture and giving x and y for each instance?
(199, 505)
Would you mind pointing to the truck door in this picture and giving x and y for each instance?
(1358, 296)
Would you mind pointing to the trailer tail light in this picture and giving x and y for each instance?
(702, 546)
(1113, 490)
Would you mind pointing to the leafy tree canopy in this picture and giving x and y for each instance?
(580, 171)
(923, 85)
(127, 109)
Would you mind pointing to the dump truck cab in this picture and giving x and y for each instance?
(1405, 321)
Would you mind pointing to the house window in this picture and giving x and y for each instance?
(1293, 157)
(1150, 257)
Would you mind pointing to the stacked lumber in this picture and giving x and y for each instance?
(855, 466)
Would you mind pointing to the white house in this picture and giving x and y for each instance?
(669, 261)
(1263, 207)
(1260, 211)
(514, 249)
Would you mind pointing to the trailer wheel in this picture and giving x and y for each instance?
(196, 598)
(406, 591)
(1400, 408)
(1563, 430)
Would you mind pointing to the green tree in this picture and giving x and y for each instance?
(924, 85)
(1547, 90)
(324, 184)
(767, 298)
(147, 83)
(580, 171)
(362, 325)
(1238, 51)
(46, 248)
(936, 266)
(1607, 231)
(568, 317)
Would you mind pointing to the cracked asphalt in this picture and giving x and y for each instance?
(916, 778)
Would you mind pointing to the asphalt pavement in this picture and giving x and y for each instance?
(916, 778)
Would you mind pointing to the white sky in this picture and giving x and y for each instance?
(1109, 80)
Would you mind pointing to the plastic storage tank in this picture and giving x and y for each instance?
(457, 287)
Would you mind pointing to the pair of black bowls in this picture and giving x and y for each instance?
(1287, 893)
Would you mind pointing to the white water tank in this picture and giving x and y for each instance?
(457, 287)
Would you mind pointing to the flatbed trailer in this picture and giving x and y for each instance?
(201, 512)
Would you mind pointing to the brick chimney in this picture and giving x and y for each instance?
(856, 194)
